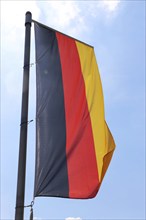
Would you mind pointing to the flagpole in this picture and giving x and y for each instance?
(19, 211)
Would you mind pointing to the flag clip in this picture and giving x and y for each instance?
(31, 210)
(26, 122)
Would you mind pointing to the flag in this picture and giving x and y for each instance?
(73, 143)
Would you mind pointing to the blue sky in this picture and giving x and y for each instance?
(116, 29)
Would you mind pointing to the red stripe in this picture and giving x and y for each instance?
(81, 160)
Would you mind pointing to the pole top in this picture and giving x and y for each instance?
(28, 18)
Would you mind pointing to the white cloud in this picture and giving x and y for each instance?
(71, 218)
(66, 16)
(13, 13)
(64, 12)
(13, 19)
(104, 10)
(110, 5)
(12, 47)
(73, 17)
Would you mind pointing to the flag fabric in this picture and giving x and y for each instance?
(73, 143)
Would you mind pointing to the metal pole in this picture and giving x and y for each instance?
(19, 212)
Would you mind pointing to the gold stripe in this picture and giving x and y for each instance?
(95, 102)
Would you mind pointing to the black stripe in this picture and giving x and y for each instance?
(51, 177)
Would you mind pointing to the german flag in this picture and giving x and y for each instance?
(73, 143)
